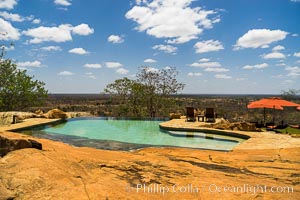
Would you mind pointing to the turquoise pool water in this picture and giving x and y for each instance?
(132, 134)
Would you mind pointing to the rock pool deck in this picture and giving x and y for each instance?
(257, 140)
(61, 171)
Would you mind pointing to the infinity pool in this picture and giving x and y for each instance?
(129, 134)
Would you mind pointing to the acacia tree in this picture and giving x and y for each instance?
(17, 89)
(149, 93)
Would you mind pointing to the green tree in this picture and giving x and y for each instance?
(17, 89)
(149, 94)
(289, 94)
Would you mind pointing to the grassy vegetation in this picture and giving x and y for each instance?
(289, 130)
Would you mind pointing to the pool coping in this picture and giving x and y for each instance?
(254, 140)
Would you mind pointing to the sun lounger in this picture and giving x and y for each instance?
(190, 114)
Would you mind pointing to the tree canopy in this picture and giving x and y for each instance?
(17, 89)
(148, 95)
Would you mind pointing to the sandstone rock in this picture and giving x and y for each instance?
(174, 116)
(8, 117)
(56, 114)
(39, 112)
(7, 145)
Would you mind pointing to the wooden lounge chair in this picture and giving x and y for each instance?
(210, 115)
(190, 114)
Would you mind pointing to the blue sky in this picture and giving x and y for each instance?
(218, 46)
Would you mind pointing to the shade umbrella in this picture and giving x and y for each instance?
(273, 102)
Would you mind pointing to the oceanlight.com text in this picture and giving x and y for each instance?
(208, 188)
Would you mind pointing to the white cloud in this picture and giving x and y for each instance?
(36, 21)
(274, 55)
(204, 60)
(79, 51)
(11, 16)
(171, 19)
(7, 4)
(208, 46)
(217, 69)
(122, 71)
(222, 76)
(113, 64)
(51, 48)
(62, 2)
(29, 64)
(194, 74)
(295, 0)
(259, 38)
(115, 39)
(62, 33)
(293, 71)
(240, 79)
(7, 31)
(258, 66)
(281, 64)
(65, 73)
(206, 64)
(152, 69)
(82, 29)
(90, 75)
(149, 60)
(95, 66)
(295, 35)
(297, 54)
(278, 48)
(165, 48)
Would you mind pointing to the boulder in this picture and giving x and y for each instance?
(56, 114)
(8, 145)
(174, 116)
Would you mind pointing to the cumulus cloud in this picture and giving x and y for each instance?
(149, 60)
(7, 4)
(222, 76)
(278, 48)
(51, 48)
(122, 71)
(293, 71)
(79, 51)
(36, 21)
(90, 75)
(204, 60)
(217, 69)
(113, 64)
(95, 66)
(208, 46)
(11, 33)
(206, 64)
(194, 74)
(29, 64)
(115, 39)
(297, 54)
(171, 19)
(82, 29)
(65, 73)
(165, 48)
(258, 66)
(152, 69)
(274, 55)
(11, 17)
(62, 33)
(62, 2)
(259, 38)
